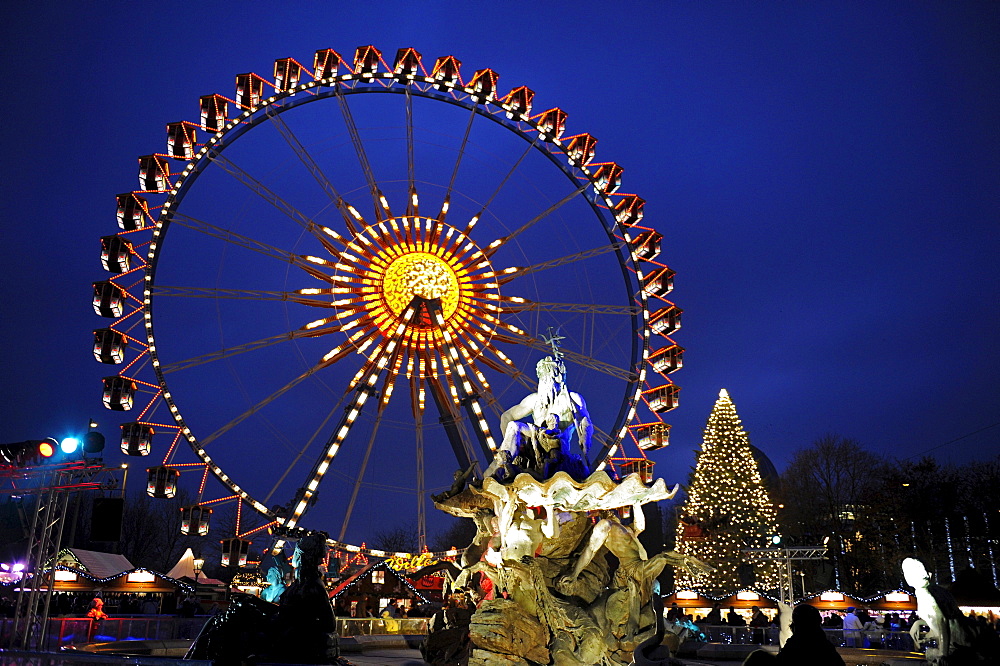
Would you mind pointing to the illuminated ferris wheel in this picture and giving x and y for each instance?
(326, 306)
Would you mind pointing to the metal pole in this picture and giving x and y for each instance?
(789, 578)
(21, 598)
(63, 500)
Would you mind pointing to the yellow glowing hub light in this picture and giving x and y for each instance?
(420, 274)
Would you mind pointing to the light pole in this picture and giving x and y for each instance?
(198, 564)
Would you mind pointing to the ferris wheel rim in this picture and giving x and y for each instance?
(287, 101)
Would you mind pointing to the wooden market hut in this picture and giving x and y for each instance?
(81, 574)
(372, 587)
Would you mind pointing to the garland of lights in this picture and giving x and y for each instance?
(383, 565)
(102, 581)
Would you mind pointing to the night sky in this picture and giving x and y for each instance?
(826, 177)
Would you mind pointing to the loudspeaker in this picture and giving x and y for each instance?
(106, 519)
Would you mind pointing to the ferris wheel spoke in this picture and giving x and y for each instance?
(229, 352)
(503, 181)
(359, 148)
(507, 369)
(293, 141)
(579, 359)
(363, 391)
(418, 417)
(517, 272)
(360, 476)
(484, 390)
(265, 193)
(495, 245)
(240, 294)
(458, 160)
(411, 189)
(233, 238)
(583, 308)
(302, 451)
(261, 404)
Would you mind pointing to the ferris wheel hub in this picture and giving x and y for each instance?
(390, 262)
(420, 274)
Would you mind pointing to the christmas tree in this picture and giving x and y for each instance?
(727, 511)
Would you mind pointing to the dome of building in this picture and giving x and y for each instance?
(768, 472)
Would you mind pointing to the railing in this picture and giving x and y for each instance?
(724, 633)
(63, 631)
(889, 640)
(373, 626)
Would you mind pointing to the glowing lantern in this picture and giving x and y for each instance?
(162, 482)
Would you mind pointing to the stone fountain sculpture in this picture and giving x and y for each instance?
(959, 639)
(547, 593)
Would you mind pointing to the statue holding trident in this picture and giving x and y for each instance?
(543, 445)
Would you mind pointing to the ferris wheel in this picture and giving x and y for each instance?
(329, 286)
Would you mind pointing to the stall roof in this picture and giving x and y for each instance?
(185, 569)
(97, 564)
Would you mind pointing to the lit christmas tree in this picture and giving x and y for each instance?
(727, 511)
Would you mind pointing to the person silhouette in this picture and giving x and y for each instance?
(808, 644)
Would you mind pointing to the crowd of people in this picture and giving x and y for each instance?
(757, 620)
(857, 627)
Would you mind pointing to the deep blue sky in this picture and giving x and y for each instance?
(826, 177)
